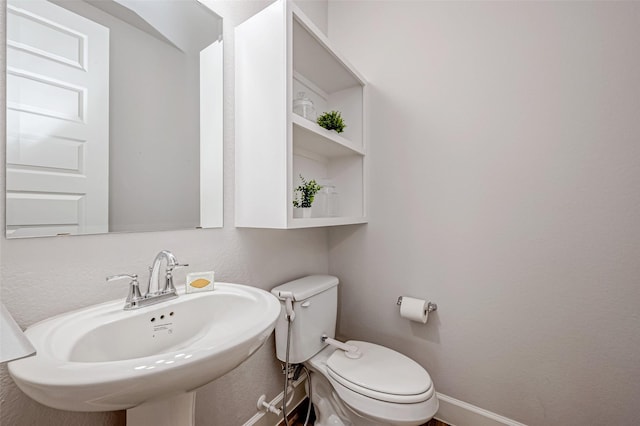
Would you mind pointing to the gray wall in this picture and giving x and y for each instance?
(47, 276)
(505, 186)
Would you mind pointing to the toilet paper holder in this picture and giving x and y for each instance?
(430, 306)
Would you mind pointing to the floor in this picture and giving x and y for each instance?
(435, 422)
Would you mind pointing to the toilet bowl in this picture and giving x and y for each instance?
(378, 386)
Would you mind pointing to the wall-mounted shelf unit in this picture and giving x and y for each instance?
(279, 52)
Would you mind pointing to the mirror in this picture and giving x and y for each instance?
(114, 116)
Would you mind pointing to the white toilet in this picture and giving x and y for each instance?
(353, 383)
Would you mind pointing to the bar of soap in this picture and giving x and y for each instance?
(200, 281)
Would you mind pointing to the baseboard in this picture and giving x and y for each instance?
(459, 413)
(264, 418)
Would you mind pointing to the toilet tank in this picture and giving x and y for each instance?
(315, 303)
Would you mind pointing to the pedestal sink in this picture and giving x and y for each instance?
(148, 361)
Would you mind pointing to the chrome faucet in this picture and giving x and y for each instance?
(155, 292)
(154, 288)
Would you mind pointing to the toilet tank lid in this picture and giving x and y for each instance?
(305, 287)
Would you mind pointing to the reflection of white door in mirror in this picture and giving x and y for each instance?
(57, 144)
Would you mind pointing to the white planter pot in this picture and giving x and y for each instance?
(304, 213)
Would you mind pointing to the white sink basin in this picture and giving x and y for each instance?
(103, 358)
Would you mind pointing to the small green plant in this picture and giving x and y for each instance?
(305, 193)
(332, 121)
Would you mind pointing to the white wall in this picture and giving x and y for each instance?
(505, 186)
(46, 276)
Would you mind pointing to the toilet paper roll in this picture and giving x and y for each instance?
(414, 309)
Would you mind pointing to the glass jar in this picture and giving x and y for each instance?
(303, 106)
(327, 200)
(333, 202)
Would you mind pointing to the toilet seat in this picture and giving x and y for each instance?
(381, 373)
(366, 403)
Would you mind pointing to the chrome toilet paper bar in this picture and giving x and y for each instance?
(430, 306)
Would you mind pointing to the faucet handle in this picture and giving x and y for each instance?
(168, 283)
(132, 277)
(134, 295)
(170, 268)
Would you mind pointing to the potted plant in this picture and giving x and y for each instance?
(332, 121)
(303, 197)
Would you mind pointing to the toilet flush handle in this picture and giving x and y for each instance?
(350, 351)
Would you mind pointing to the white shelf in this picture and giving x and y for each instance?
(317, 222)
(309, 135)
(280, 52)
